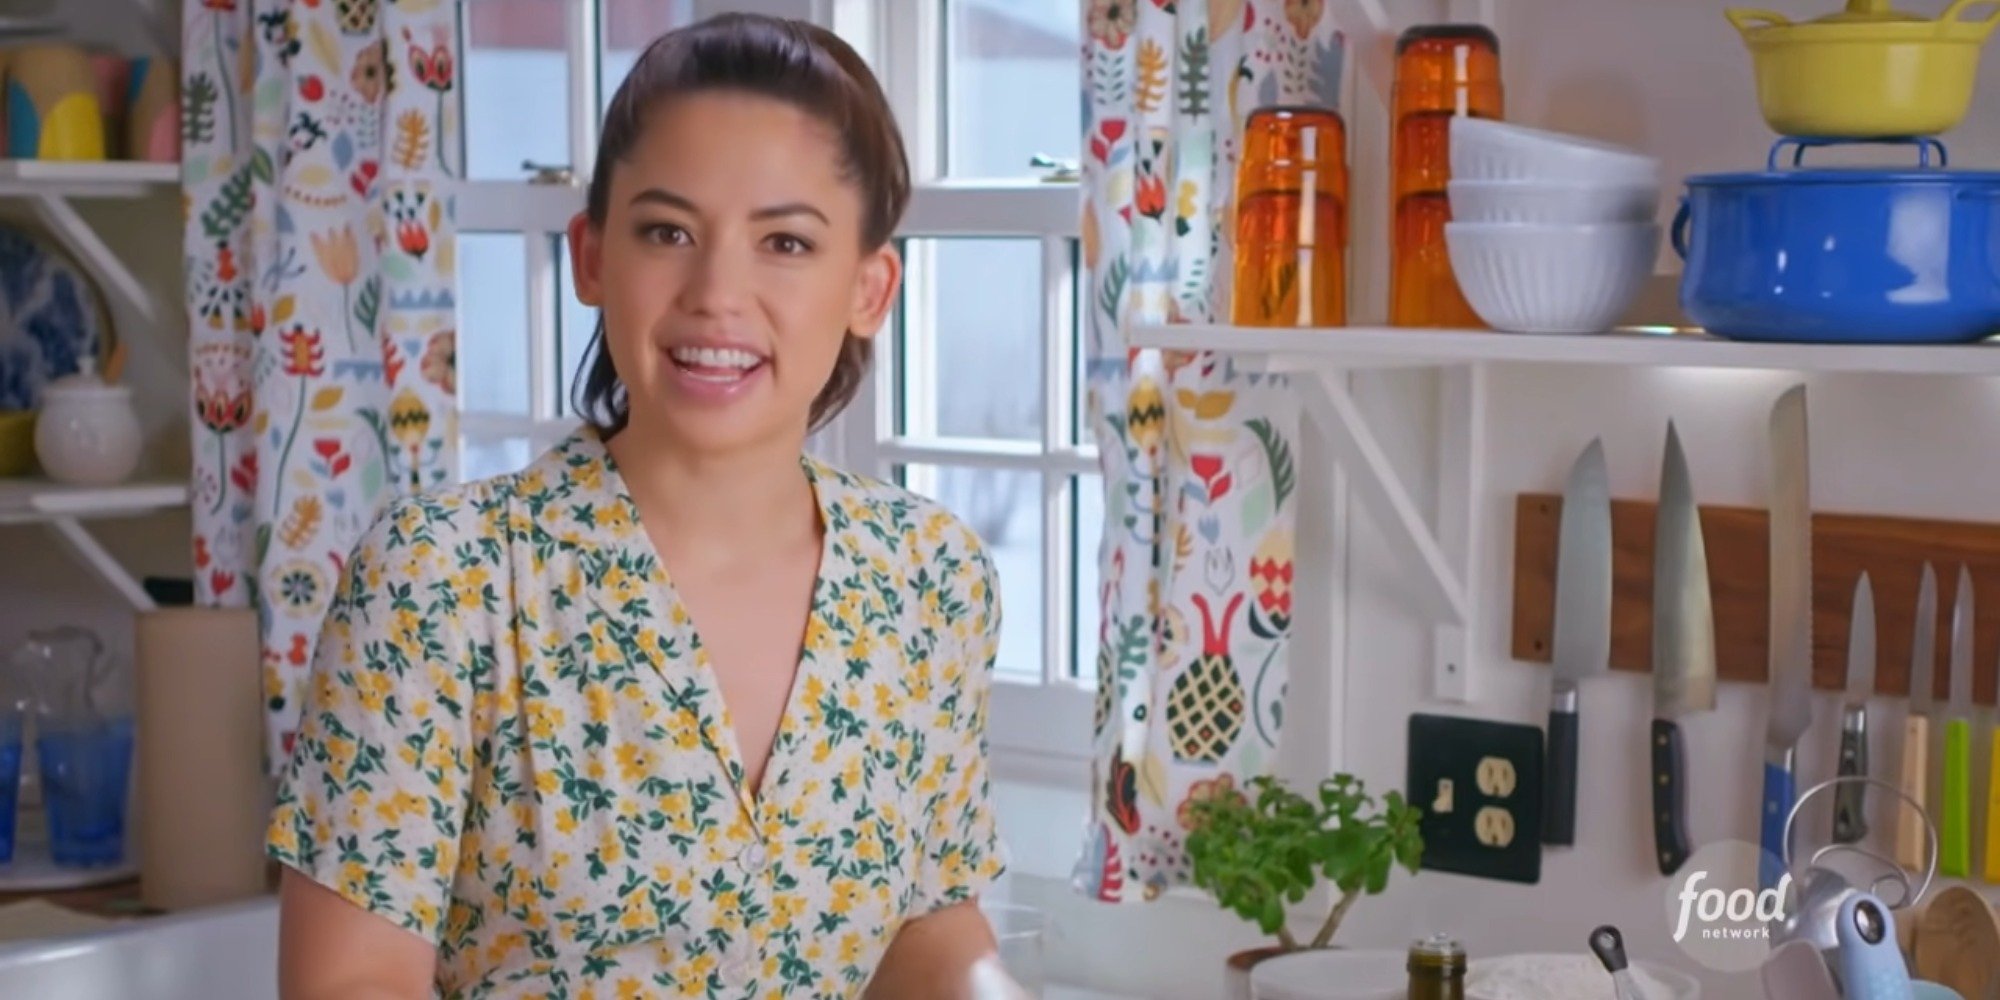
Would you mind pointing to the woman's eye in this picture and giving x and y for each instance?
(786, 243)
(664, 234)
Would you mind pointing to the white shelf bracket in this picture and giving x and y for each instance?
(68, 226)
(79, 541)
(1355, 447)
(1461, 469)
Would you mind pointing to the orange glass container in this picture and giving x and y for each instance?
(1442, 71)
(1291, 220)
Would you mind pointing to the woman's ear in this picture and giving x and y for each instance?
(586, 259)
(875, 288)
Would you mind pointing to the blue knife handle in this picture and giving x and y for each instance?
(1778, 795)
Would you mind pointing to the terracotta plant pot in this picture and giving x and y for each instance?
(1236, 971)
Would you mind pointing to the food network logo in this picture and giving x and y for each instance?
(1728, 915)
(1719, 916)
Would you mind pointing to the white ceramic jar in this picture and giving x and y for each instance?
(87, 432)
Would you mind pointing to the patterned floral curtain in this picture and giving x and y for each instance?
(319, 137)
(1197, 456)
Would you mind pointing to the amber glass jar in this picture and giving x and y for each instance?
(1291, 220)
(1442, 70)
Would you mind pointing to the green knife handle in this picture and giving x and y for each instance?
(1955, 833)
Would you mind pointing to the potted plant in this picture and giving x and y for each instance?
(1263, 852)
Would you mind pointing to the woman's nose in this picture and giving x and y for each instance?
(718, 283)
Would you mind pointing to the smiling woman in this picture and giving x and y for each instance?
(676, 707)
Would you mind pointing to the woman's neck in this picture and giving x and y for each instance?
(719, 509)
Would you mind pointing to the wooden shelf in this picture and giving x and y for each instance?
(1411, 347)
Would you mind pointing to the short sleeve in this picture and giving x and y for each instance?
(372, 802)
(962, 854)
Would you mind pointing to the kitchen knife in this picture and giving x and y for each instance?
(1993, 813)
(1955, 798)
(1850, 816)
(1912, 841)
(1683, 648)
(1582, 627)
(1790, 635)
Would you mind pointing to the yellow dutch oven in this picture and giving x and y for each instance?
(1866, 72)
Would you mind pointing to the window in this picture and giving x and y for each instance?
(985, 90)
(978, 402)
(522, 337)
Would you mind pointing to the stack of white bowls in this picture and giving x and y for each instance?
(1550, 233)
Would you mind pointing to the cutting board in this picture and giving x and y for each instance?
(1958, 943)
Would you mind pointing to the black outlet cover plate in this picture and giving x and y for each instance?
(1446, 754)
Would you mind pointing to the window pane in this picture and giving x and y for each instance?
(628, 27)
(1012, 76)
(1087, 517)
(493, 322)
(487, 455)
(1005, 508)
(516, 72)
(575, 323)
(973, 360)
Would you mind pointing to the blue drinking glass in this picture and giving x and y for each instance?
(10, 778)
(86, 772)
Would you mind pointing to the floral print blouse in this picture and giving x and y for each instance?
(514, 746)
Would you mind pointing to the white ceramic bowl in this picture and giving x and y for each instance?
(1487, 150)
(1546, 202)
(1551, 278)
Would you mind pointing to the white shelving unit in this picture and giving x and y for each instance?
(63, 510)
(1445, 552)
(51, 185)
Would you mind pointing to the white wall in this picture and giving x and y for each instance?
(1671, 78)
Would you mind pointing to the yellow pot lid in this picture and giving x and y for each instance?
(1866, 12)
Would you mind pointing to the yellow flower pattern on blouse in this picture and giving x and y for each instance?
(514, 746)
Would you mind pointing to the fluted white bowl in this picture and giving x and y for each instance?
(1487, 150)
(1551, 278)
(1551, 202)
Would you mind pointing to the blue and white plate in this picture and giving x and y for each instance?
(51, 317)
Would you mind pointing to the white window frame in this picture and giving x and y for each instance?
(1039, 729)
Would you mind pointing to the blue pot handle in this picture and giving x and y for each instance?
(1925, 144)
(1679, 232)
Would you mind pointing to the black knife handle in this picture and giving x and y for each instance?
(1559, 814)
(1670, 834)
(1850, 820)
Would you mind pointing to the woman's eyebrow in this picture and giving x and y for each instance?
(661, 196)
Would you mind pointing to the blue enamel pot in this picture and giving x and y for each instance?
(1843, 255)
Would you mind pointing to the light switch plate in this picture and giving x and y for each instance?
(1479, 784)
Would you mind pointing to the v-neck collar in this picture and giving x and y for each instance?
(587, 449)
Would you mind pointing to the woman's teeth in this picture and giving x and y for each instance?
(722, 364)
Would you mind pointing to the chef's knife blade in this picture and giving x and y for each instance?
(1582, 627)
(1683, 648)
(1912, 838)
(1850, 815)
(1790, 635)
(1955, 800)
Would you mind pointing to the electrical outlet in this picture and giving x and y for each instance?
(1480, 786)
(1494, 826)
(1496, 777)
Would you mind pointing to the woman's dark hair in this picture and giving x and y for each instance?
(801, 64)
